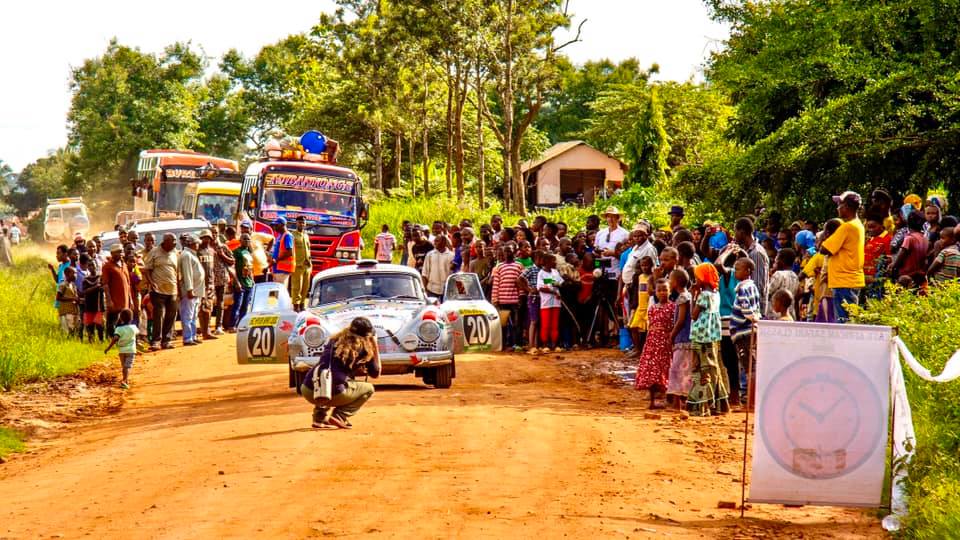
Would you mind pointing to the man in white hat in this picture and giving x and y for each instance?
(608, 238)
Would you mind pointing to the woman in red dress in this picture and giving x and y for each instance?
(654, 365)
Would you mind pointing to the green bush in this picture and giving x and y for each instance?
(10, 441)
(31, 345)
(928, 325)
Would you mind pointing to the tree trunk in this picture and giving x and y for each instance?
(398, 158)
(410, 168)
(426, 161)
(447, 170)
(378, 157)
(481, 165)
(461, 95)
(506, 97)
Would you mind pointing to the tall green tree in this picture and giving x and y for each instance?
(834, 95)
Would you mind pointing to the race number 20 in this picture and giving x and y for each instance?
(260, 341)
(476, 329)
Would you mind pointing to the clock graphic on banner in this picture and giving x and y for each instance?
(822, 417)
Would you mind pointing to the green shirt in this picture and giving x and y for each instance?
(244, 266)
(127, 342)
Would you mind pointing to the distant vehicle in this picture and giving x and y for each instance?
(211, 200)
(163, 175)
(125, 217)
(158, 227)
(416, 334)
(64, 218)
(291, 184)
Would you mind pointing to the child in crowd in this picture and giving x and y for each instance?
(528, 286)
(782, 303)
(708, 390)
(745, 312)
(782, 279)
(638, 324)
(679, 381)
(653, 369)
(67, 301)
(548, 284)
(93, 304)
(125, 338)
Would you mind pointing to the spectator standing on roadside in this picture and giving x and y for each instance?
(192, 288)
(436, 267)
(223, 264)
(846, 250)
(125, 338)
(244, 284)
(6, 253)
(300, 280)
(418, 249)
(93, 303)
(160, 271)
(384, 244)
(67, 301)
(116, 287)
(506, 294)
(206, 256)
(282, 255)
(743, 231)
(946, 264)
(14, 234)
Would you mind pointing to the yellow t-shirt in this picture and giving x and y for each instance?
(845, 270)
(889, 225)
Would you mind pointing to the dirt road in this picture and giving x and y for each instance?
(518, 448)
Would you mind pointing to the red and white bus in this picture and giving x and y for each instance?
(328, 196)
(163, 175)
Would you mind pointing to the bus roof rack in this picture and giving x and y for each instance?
(65, 200)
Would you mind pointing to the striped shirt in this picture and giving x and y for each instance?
(949, 257)
(746, 306)
(761, 269)
(505, 290)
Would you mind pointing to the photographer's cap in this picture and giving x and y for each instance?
(611, 211)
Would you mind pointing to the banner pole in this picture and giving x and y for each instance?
(746, 430)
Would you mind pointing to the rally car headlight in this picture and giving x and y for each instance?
(429, 331)
(313, 336)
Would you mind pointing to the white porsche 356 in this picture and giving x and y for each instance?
(416, 333)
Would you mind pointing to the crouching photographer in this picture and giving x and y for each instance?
(330, 387)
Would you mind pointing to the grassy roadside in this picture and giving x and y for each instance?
(10, 441)
(928, 326)
(31, 345)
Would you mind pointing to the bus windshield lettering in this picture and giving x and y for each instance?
(322, 200)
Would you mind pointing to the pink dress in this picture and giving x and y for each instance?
(654, 365)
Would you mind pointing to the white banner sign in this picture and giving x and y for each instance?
(821, 415)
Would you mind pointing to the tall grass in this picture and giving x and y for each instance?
(31, 345)
(928, 325)
(10, 441)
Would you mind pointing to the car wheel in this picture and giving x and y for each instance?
(443, 376)
(291, 378)
(429, 376)
(297, 380)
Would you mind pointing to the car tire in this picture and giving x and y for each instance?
(297, 380)
(443, 376)
(429, 376)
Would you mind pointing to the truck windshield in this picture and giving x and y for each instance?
(171, 196)
(318, 207)
(212, 207)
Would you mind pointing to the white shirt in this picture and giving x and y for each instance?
(436, 269)
(385, 242)
(608, 239)
(14, 234)
(639, 252)
(549, 300)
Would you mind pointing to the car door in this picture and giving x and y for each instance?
(263, 331)
(475, 322)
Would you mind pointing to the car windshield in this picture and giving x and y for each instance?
(383, 286)
(70, 212)
(213, 207)
(320, 207)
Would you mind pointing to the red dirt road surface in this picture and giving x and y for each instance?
(520, 447)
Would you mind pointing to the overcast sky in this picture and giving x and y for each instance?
(39, 43)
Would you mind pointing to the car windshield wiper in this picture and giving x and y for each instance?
(362, 297)
(404, 297)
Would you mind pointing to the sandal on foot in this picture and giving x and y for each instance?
(342, 424)
(124, 386)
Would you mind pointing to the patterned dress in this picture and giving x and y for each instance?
(680, 379)
(708, 393)
(654, 363)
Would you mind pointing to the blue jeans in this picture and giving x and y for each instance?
(188, 318)
(241, 298)
(841, 297)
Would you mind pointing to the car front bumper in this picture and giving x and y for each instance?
(394, 363)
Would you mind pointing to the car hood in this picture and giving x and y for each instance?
(386, 316)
